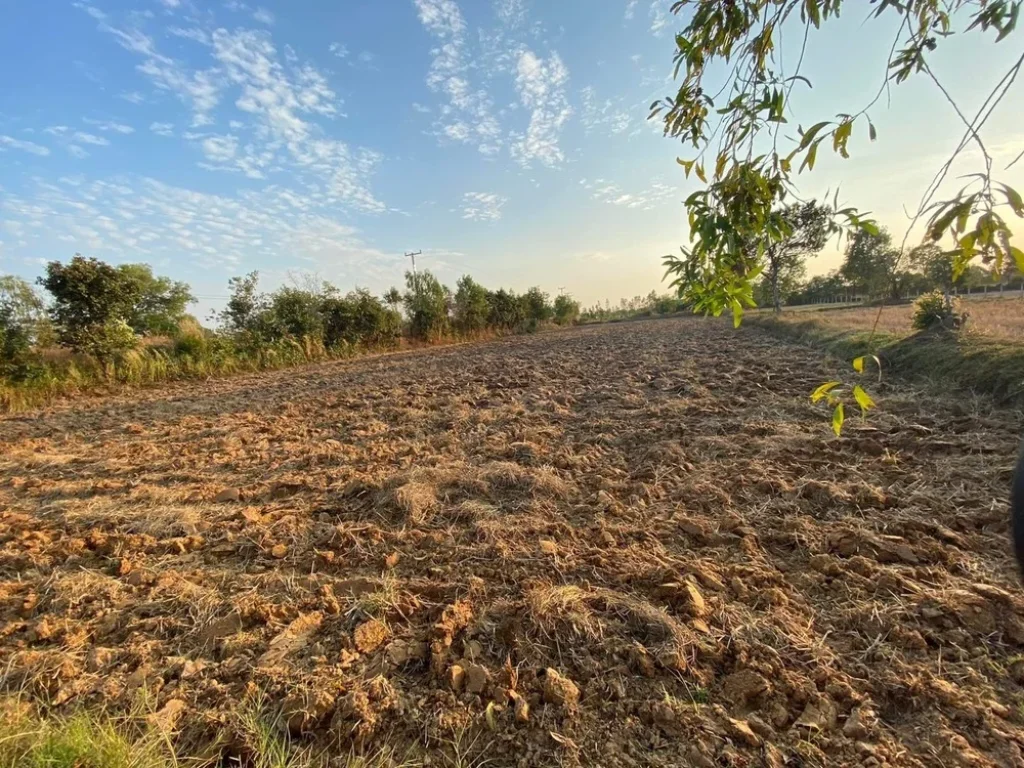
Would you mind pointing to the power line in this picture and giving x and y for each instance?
(413, 256)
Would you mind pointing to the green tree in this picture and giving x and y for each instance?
(808, 226)
(393, 297)
(748, 153)
(507, 312)
(426, 305)
(91, 301)
(536, 307)
(870, 264)
(23, 308)
(295, 313)
(471, 309)
(566, 309)
(245, 303)
(160, 302)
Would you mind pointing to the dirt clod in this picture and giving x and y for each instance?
(560, 690)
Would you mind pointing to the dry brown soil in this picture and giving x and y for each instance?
(634, 544)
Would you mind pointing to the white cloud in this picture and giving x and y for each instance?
(656, 194)
(631, 9)
(339, 49)
(482, 206)
(602, 114)
(468, 107)
(76, 151)
(110, 126)
(191, 33)
(220, 149)
(417, 107)
(541, 85)
(659, 17)
(90, 138)
(162, 129)
(9, 142)
(511, 13)
(133, 97)
(170, 3)
(263, 16)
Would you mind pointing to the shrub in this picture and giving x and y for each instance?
(426, 304)
(937, 310)
(293, 312)
(471, 306)
(105, 340)
(507, 312)
(567, 310)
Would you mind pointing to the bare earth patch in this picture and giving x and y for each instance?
(635, 544)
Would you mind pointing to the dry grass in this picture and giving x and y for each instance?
(995, 317)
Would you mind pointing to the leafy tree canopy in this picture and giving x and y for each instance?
(748, 153)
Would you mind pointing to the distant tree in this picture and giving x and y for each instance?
(294, 312)
(566, 309)
(470, 305)
(807, 227)
(426, 305)
(536, 307)
(245, 303)
(393, 297)
(91, 301)
(23, 307)
(870, 262)
(160, 302)
(507, 311)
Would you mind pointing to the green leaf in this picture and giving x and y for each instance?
(838, 417)
(823, 390)
(1018, 257)
(863, 399)
(699, 170)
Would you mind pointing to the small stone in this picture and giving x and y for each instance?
(477, 677)
(370, 635)
(166, 718)
(228, 494)
(279, 551)
(819, 715)
(456, 678)
(694, 600)
(521, 707)
(740, 730)
(560, 690)
(859, 723)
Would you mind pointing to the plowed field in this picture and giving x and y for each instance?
(627, 545)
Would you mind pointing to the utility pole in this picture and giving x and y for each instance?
(413, 257)
(561, 290)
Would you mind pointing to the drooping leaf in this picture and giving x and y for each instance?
(838, 417)
(824, 390)
(863, 399)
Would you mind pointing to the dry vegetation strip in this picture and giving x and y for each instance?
(634, 544)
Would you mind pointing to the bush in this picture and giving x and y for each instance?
(507, 312)
(934, 310)
(567, 310)
(471, 307)
(426, 304)
(359, 319)
(105, 340)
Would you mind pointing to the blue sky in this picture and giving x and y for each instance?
(504, 138)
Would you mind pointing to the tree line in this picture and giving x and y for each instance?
(126, 323)
(873, 268)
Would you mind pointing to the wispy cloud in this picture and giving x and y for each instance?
(541, 86)
(467, 116)
(133, 97)
(9, 142)
(263, 16)
(656, 194)
(162, 129)
(339, 49)
(602, 114)
(511, 13)
(631, 9)
(659, 17)
(482, 206)
(110, 126)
